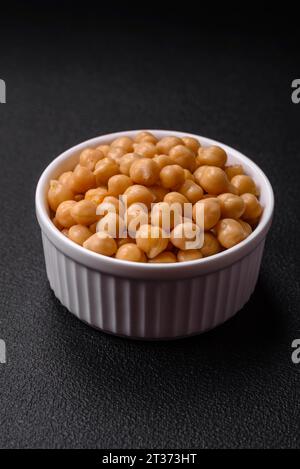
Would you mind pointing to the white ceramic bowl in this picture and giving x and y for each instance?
(151, 301)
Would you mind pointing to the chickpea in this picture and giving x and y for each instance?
(118, 184)
(212, 156)
(66, 179)
(183, 156)
(192, 143)
(188, 175)
(210, 245)
(244, 184)
(172, 176)
(232, 206)
(186, 236)
(131, 252)
(84, 212)
(104, 149)
(234, 170)
(145, 137)
(146, 149)
(136, 216)
(165, 257)
(83, 179)
(138, 193)
(152, 240)
(126, 143)
(58, 193)
(79, 234)
(144, 171)
(246, 227)
(189, 255)
(230, 232)
(126, 162)
(198, 173)
(214, 180)
(211, 210)
(93, 227)
(111, 204)
(63, 213)
(89, 157)
(175, 198)
(253, 209)
(191, 191)
(101, 243)
(113, 224)
(166, 143)
(96, 195)
(105, 169)
(116, 153)
(163, 160)
(57, 224)
(159, 192)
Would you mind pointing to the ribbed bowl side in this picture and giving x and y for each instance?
(151, 309)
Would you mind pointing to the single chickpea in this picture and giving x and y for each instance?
(163, 160)
(246, 227)
(192, 143)
(186, 236)
(96, 195)
(124, 142)
(83, 179)
(63, 213)
(211, 245)
(144, 171)
(191, 191)
(105, 169)
(146, 149)
(159, 192)
(165, 257)
(138, 193)
(58, 193)
(189, 255)
(79, 234)
(131, 252)
(84, 212)
(212, 156)
(104, 149)
(198, 173)
(253, 209)
(145, 137)
(115, 154)
(118, 184)
(152, 240)
(234, 170)
(244, 184)
(101, 243)
(66, 179)
(172, 176)
(207, 211)
(110, 204)
(214, 180)
(113, 224)
(175, 198)
(183, 156)
(166, 143)
(126, 162)
(232, 206)
(230, 232)
(188, 175)
(89, 157)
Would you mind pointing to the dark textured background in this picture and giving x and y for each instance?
(72, 75)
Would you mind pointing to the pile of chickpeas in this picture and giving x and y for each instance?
(162, 172)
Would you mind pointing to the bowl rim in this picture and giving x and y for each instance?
(150, 270)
